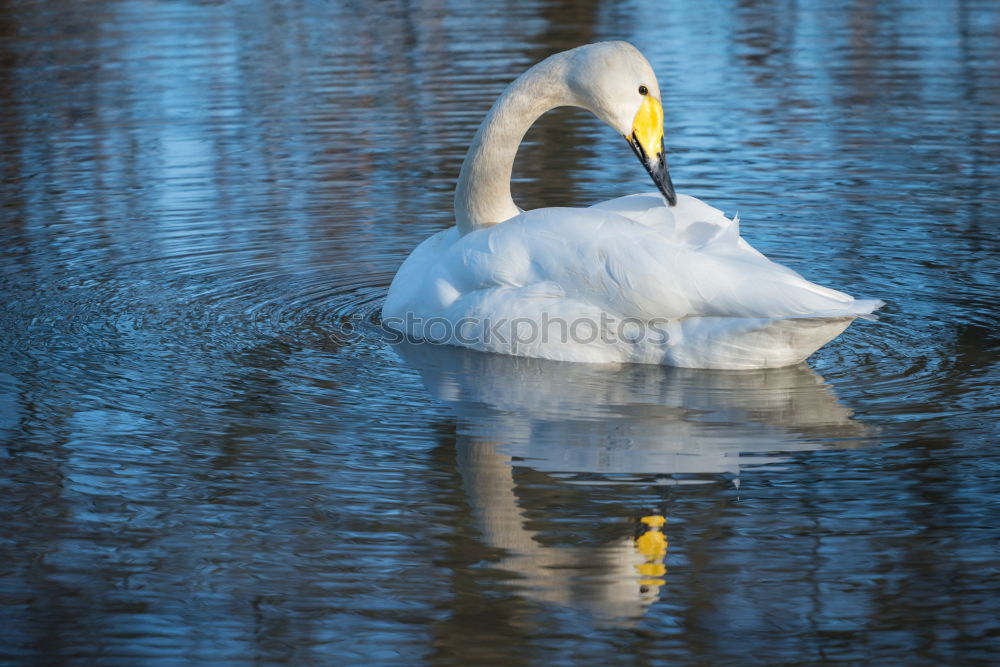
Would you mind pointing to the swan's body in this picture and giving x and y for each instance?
(629, 280)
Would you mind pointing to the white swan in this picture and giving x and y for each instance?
(628, 280)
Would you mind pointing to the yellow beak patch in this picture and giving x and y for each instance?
(647, 128)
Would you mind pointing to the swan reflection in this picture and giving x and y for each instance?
(633, 424)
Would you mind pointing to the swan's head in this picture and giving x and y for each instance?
(616, 83)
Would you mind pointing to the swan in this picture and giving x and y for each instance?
(657, 278)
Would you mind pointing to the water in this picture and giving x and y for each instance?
(211, 455)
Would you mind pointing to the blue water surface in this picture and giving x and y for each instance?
(211, 454)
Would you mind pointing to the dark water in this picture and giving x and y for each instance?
(211, 455)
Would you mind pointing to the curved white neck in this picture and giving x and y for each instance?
(482, 197)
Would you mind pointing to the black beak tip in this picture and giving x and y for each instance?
(662, 179)
(667, 189)
(657, 171)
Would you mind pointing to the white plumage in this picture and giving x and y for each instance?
(628, 280)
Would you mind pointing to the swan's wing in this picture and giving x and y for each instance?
(701, 268)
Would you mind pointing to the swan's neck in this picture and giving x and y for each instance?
(482, 197)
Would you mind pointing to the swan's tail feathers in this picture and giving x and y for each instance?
(864, 308)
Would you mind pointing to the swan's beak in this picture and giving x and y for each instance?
(647, 142)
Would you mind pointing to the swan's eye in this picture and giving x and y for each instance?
(643, 90)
